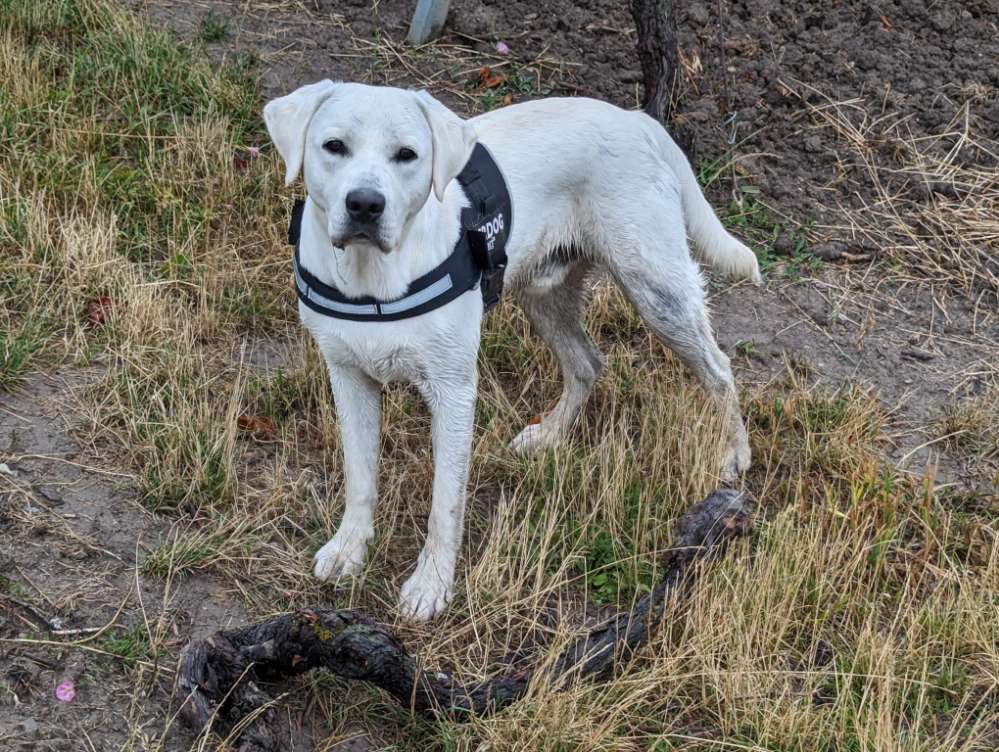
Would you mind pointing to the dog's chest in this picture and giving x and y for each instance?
(371, 349)
(414, 351)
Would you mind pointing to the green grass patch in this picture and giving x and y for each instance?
(760, 228)
(11, 587)
(16, 351)
(213, 28)
(186, 469)
(120, 94)
(515, 81)
(285, 393)
(184, 553)
(132, 645)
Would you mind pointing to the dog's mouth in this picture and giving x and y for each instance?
(361, 237)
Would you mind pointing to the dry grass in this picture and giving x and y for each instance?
(863, 616)
(931, 202)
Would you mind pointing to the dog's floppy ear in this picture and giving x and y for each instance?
(288, 118)
(453, 140)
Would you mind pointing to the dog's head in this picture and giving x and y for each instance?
(371, 155)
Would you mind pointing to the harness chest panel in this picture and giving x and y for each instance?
(478, 258)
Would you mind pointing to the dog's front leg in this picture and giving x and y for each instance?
(358, 407)
(429, 589)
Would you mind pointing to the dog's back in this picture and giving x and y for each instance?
(578, 166)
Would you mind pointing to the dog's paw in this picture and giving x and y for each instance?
(342, 556)
(736, 461)
(426, 593)
(538, 435)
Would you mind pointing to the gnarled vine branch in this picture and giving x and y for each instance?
(220, 674)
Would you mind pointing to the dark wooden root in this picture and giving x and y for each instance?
(218, 675)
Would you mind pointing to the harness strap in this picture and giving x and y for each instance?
(487, 220)
(479, 256)
(455, 276)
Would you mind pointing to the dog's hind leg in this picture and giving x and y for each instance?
(556, 313)
(664, 284)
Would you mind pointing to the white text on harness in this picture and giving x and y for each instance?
(492, 229)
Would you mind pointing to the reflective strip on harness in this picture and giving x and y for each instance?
(315, 297)
(439, 287)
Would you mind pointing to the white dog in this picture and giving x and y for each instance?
(593, 187)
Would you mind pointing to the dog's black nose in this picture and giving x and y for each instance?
(365, 205)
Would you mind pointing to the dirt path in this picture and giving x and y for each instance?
(919, 353)
(73, 536)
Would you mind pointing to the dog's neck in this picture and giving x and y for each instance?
(429, 238)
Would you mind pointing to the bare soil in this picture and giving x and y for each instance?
(904, 60)
(72, 537)
(72, 530)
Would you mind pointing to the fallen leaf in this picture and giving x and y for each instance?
(258, 424)
(98, 310)
(488, 79)
(508, 99)
(241, 159)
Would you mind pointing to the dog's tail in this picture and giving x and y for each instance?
(713, 243)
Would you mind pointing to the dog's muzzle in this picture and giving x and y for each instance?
(365, 207)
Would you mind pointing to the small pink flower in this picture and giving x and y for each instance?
(502, 48)
(253, 151)
(66, 691)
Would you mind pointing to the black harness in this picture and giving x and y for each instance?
(479, 256)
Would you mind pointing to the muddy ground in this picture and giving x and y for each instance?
(918, 342)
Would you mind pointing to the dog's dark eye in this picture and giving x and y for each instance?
(335, 146)
(405, 154)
